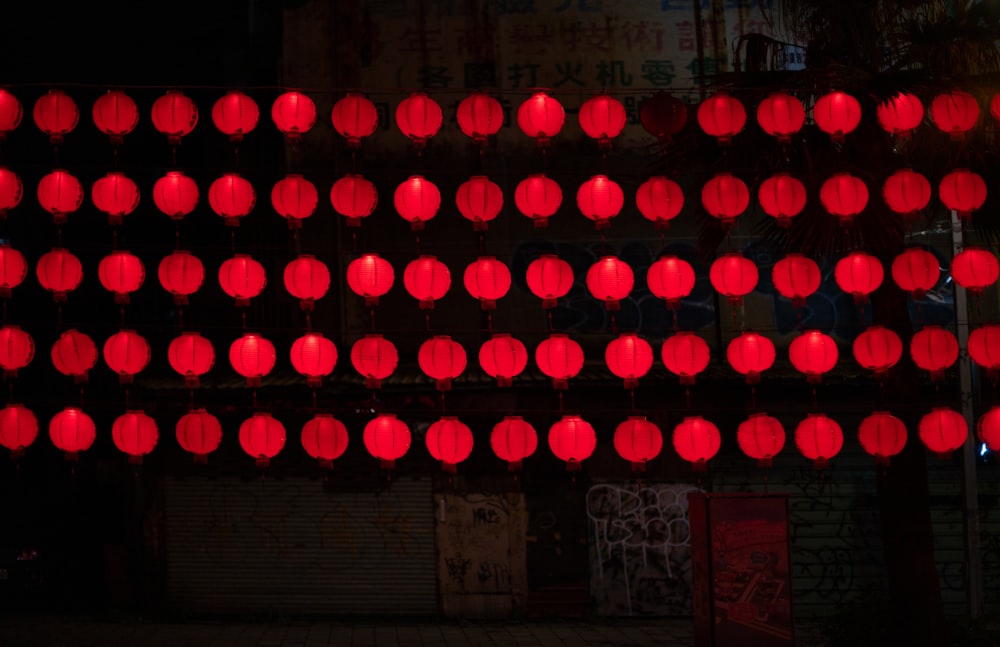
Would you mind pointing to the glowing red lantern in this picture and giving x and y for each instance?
(600, 199)
(502, 357)
(18, 428)
(878, 349)
(696, 440)
(181, 274)
(962, 191)
(994, 109)
(984, 348)
(487, 279)
(943, 430)
(293, 113)
(175, 115)
(479, 200)
(263, 437)
(235, 114)
(900, 115)
(796, 277)
(450, 441)
(916, 270)
(17, 349)
(74, 354)
(231, 197)
(11, 113)
(659, 200)
(427, 279)
(610, 280)
(418, 117)
(663, 116)
(13, 269)
(513, 439)
(353, 197)
(781, 115)
(538, 197)
(387, 438)
(844, 196)
(325, 439)
(572, 439)
(479, 116)
(242, 278)
(375, 358)
(175, 194)
(638, 441)
(988, 428)
(819, 439)
(192, 356)
(11, 191)
(782, 197)
(121, 273)
(252, 356)
(837, 114)
(935, 350)
(56, 114)
(541, 116)
(671, 279)
(560, 358)
(313, 356)
(126, 353)
(417, 200)
(549, 278)
(72, 431)
(751, 354)
(722, 116)
(135, 434)
(975, 269)
(859, 274)
(906, 192)
(355, 117)
(761, 437)
(60, 194)
(685, 354)
(813, 353)
(115, 195)
(955, 113)
(294, 198)
(115, 114)
(882, 435)
(370, 276)
(307, 279)
(733, 276)
(725, 197)
(442, 359)
(629, 357)
(59, 272)
(602, 118)
(199, 433)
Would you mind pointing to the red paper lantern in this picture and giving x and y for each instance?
(370, 276)
(242, 278)
(175, 115)
(975, 269)
(819, 439)
(115, 195)
(761, 437)
(181, 274)
(11, 190)
(696, 440)
(135, 434)
(17, 349)
(513, 439)
(11, 113)
(175, 194)
(988, 428)
(900, 115)
(916, 270)
(325, 439)
(427, 279)
(18, 428)
(417, 200)
(375, 358)
(252, 356)
(781, 115)
(353, 197)
(663, 116)
(844, 196)
(502, 357)
(191, 355)
(307, 279)
(418, 117)
(796, 277)
(59, 272)
(859, 274)
(722, 116)
(725, 197)
(115, 114)
(602, 118)
(878, 349)
(74, 354)
(313, 356)
(235, 114)
(671, 279)
(943, 430)
(121, 273)
(442, 359)
(126, 353)
(962, 191)
(538, 197)
(60, 194)
(572, 439)
(560, 358)
(994, 108)
(293, 113)
(782, 197)
(610, 280)
(629, 357)
(638, 441)
(751, 354)
(955, 113)
(13, 269)
(541, 116)
(56, 114)
(487, 279)
(262, 437)
(231, 197)
(882, 435)
(450, 441)
(479, 116)
(600, 199)
(387, 438)
(355, 117)
(837, 114)
(479, 200)
(733, 276)
(685, 354)
(72, 431)
(659, 200)
(199, 433)
(813, 353)
(549, 278)
(906, 192)
(294, 198)
(984, 348)
(935, 350)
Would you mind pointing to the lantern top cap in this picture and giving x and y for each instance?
(636, 418)
(373, 335)
(501, 335)
(262, 414)
(449, 418)
(386, 415)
